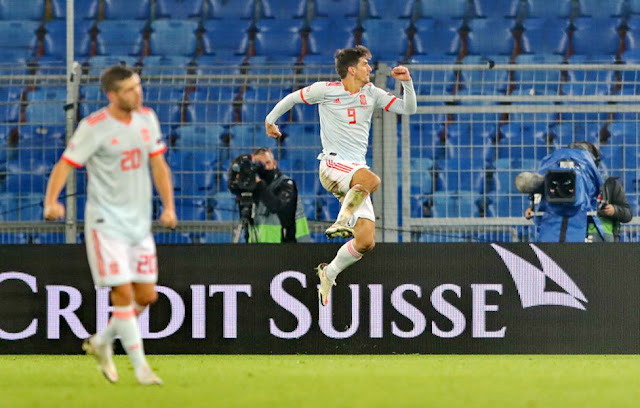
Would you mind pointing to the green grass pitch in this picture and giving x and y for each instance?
(327, 381)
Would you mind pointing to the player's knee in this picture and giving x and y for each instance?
(365, 244)
(374, 183)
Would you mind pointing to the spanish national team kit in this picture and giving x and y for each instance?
(120, 246)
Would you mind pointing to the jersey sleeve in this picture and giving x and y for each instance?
(391, 103)
(82, 145)
(309, 95)
(156, 144)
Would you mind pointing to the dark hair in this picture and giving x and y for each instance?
(590, 147)
(262, 150)
(111, 76)
(349, 57)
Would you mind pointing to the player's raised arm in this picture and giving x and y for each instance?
(408, 105)
(309, 95)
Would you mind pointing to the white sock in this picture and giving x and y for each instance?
(347, 255)
(125, 324)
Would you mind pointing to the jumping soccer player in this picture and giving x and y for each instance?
(345, 109)
(118, 144)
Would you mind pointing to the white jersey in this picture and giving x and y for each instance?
(345, 118)
(116, 155)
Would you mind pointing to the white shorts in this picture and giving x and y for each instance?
(335, 177)
(114, 262)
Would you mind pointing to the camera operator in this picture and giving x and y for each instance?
(278, 215)
(613, 207)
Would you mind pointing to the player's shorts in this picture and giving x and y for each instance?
(114, 262)
(335, 177)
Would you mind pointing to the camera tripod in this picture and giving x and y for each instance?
(246, 224)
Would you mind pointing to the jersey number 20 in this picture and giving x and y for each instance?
(131, 159)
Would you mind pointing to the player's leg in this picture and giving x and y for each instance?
(364, 240)
(105, 273)
(144, 267)
(362, 183)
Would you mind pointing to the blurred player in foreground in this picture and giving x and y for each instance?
(118, 144)
(345, 109)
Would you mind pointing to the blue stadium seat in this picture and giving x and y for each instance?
(91, 99)
(444, 205)
(21, 207)
(191, 209)
(537, 82)
(563, 134)
(386, 39)
(589, 82)
(632, 40)
(192, 170)
(307, 182)
(18, 35)
(337, 8)
(283, 9)
(466, 203)
(623, 133)
(46, 107)
(278, 37)
(498, 8)
(389, 9)
(318, 64)
(544, 36)
(99, 62)
(327, 35)
(228, 36)
(173, 37)
(596, 36)
(173, 239)
(231, 9)
(166, 65)
(612, 156)
(486, 81)
(21, 10)
(179, 9)
(211, 106)
(55, 43)
(453, 8)
(258, 102)
(490, 36)
(548, 8)
(120, 37)
(221, 64)
(225, 208)
(599, 8)
(126, 9)
(299, 135)
(166, 103)
(205, 136)
(437, 36)
(82, 9)
(511, 205)
(634, 7)
(10, 103)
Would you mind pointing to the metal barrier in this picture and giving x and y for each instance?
(476, 128)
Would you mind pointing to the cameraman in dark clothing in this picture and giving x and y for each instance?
(613, 208)
(278, 215)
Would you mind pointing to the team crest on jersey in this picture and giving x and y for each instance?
(363, 100)
(145, 134)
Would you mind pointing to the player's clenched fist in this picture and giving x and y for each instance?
(401, 73)
(53, 211)
(168, 218)
(272, 130)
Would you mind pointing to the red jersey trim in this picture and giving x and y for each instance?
(302, 96)
(144, 110)
(71, 162)
(157, 152)
(390, 103)
(97, 117)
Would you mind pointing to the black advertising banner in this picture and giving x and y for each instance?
(400, 298)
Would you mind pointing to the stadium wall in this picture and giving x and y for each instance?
(408, 298)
